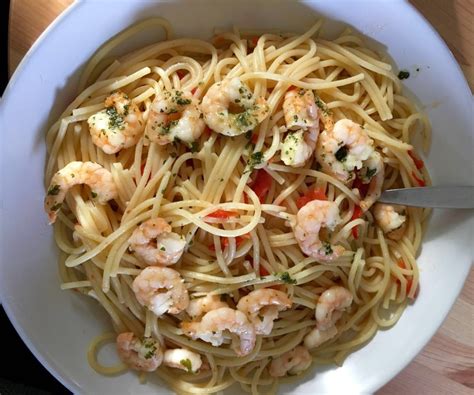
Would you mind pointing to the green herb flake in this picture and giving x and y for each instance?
(255, 159)
(54, 190)
(286, 278)
(187, 364)
(162, 248)
(115, 119)
(194, 146)
(56, 207)
(370, 173)
(93, 194)
(327, 249)
(341, 154)
(403, 74)
(248, 135)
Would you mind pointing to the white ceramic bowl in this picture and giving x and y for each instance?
(57, 326)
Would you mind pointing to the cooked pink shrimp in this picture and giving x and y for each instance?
(213, 324)
(200, 306)
(161, 290)
(319, 336)
(298, 147)
(309, 221)
(232, 92)
(119, 126)
(300, 110)
(390, 219)
(183, 359)
(264, 303)
(144, 355)
(343, 149)
(92, 174)
(331, 305)
(156, 244)
(373, 173)
(301, 117)
(174, 116)
(292, 362)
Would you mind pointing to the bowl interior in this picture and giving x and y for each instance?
(58, 326)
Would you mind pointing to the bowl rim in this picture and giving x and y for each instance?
(68, 382)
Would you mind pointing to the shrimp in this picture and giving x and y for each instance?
(325, 114)
(292, 362)
(154, 242)
(297, 147)
(331, 305)
(265, 303)
(161, 290)
(390, 219)
(309, 220)
(74, 173)
(301, 117)
(218, 112)
(145, 355)
(181, 358)
(372, 173)
(300, 110)
(214, 323)
(174, 115)
(200, 306)
(119, 126)
(319, 336)
(343, 149)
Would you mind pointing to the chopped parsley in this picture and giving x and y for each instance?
(286, 278)
(403, 74)
(93, 194)
(56, 207)
(150, 345)
(54, 190)
(295, 118)
(187, 364)
(115, 119)
(327, 249)
(194, 146)
(166, 128)
(370, 173)
(254, 160)
(248, 135)
(243, 119)
(162, 248)
(341, 154)
(323, 106)
(183, 102)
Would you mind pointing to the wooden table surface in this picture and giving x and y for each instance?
(446, 364)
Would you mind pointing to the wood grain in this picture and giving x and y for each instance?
(446, 364)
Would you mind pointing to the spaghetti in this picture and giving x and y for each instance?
(213, 196)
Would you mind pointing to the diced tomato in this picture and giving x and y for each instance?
(225, 241)
(363, 188)
(193, 91)
(262, 184)
(420, 182)
(356, 214)
(313, 194)
(224, 214)
(292, 87)
(181, 74)
(254, 138)
(418, 162)
(254, 41)
(263, 271)
(401, 264)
